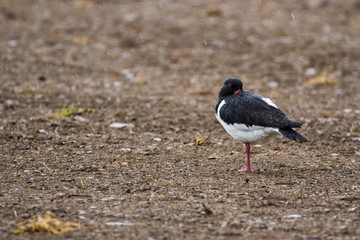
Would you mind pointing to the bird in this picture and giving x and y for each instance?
(251, 118)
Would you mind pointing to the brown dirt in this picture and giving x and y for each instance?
(159, 65)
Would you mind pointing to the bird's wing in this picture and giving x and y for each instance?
(252, 110)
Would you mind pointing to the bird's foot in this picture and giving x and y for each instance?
(245, 170)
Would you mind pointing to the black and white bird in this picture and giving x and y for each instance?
(251, 118)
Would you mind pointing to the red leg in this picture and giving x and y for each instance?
(248, 169)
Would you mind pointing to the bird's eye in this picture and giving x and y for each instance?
(229, 85)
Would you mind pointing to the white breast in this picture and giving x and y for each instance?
(244, 134)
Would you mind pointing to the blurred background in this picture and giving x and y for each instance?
(124, 92)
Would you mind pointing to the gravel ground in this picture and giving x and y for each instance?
(71, 69)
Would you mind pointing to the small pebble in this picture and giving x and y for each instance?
(353, 209)
(12, 43)
(118, 224)
(293, 216)
(42, 78)
(42, 131)
(310, 71)
(121, 125)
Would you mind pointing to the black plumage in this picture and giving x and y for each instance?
(249, 109)
(249, 117)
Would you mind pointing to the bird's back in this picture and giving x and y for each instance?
(254, 110)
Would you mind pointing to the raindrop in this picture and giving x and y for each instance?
(293, 16)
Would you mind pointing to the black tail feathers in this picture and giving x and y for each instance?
(292, 134)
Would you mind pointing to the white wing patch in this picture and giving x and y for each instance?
(269, 102)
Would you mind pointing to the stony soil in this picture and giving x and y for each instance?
(157, 66)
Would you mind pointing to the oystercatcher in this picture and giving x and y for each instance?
(251, 118)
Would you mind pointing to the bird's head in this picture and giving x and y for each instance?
(231, 86)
